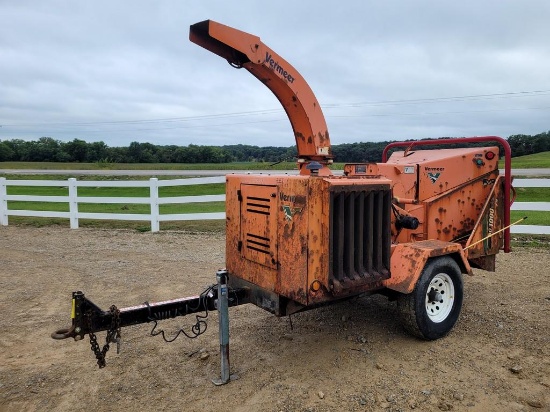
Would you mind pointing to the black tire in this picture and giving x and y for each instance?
(433, 307)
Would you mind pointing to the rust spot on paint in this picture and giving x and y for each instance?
(300, 136)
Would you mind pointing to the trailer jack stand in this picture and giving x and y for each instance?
(222, 305)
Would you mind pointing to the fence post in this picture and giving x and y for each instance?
(154, 195)
(3, 202)
(73, 203)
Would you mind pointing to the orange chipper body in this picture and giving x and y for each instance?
(401, 227)
(408, 227)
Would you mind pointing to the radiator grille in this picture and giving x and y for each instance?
(360, 237)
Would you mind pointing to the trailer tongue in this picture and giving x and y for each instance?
(88, 318)
(407, 227)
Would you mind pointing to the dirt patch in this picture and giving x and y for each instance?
(351, 356)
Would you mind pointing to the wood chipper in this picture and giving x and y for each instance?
(408, 227)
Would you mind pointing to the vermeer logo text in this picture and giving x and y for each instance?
(275, 67)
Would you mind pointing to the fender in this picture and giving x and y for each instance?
(409, 259)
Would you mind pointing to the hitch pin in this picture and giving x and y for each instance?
(118, 340)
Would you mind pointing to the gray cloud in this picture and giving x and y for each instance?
(126, 71)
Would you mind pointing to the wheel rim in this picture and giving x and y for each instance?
(440, 297)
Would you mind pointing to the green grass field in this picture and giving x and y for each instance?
(540, 160)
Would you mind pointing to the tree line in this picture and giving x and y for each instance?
(47, 149)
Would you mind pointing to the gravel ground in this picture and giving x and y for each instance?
(351, 356)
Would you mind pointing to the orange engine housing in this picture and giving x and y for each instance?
(306, 240)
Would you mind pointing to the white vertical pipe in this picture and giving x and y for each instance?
(154, 194)
(73, 203)
(3, 202)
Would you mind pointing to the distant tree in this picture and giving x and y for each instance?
(97, 151)
(77, 150)
(541, 142)
(166, 154)
(47, 149)
(148, 153)
(181, 155)
(16, 145)
(358, 152)
(134, 152)
(119, 155)
(520, 144)
(6, 152)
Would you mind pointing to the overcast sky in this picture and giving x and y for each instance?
(123, 71)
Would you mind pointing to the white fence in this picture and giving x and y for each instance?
(155, 201)
(536, 206)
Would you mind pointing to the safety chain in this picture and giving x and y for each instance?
(113, 335)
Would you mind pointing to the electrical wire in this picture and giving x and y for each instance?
(197, 329)
(445, 99)
(507, 95)
(438, 113)
(200, 325)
